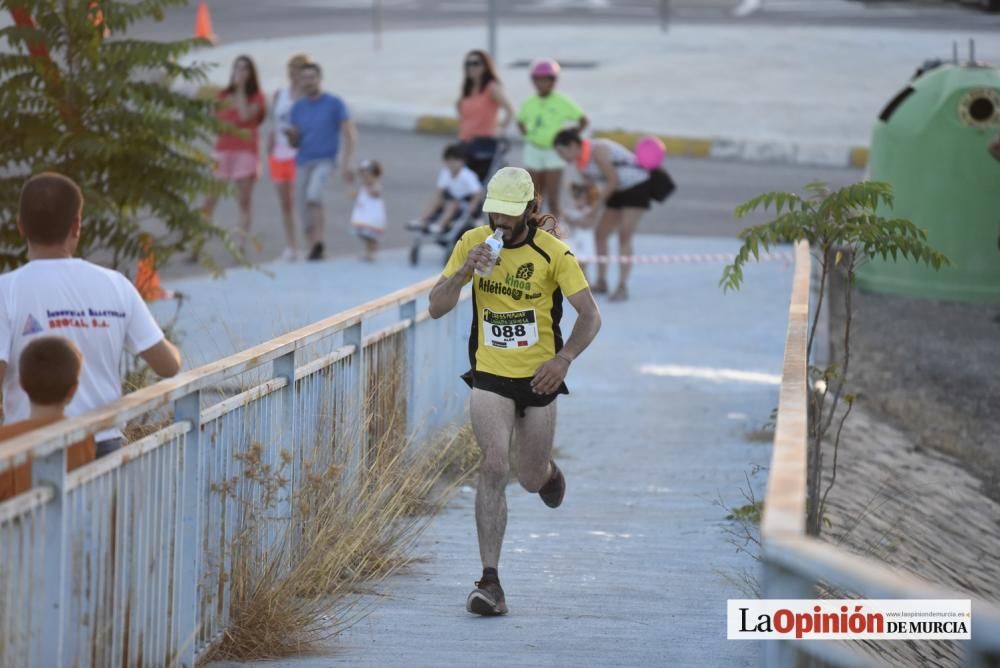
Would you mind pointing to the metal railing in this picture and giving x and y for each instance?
(124, 561)
(795, 563)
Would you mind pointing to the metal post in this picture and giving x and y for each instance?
(284, 367)
(491, 27)
(664, 15)
(47, 609)
(781, 583)
(408, 310)
(353, 431)
(188, 408)
(377, 23)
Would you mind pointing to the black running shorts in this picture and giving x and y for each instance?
(638, 196)
(517, 389)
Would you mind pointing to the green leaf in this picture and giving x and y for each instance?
(102, 112)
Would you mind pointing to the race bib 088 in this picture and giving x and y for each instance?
(514, 329)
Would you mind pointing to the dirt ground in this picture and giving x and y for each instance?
(932, 369)
(918, 483)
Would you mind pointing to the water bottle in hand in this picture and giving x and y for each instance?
(495, 243)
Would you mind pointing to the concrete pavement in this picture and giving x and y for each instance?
(635, 568)
(808, 95)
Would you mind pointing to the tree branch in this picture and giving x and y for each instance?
(836, 449)
(819, 303)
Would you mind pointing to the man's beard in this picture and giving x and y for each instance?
(516, 231)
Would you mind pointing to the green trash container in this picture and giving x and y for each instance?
(930, 143)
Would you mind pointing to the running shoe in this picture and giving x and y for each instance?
(554, 490)
(290, 255)
(487, 598)
(317, 251)
(435, 228)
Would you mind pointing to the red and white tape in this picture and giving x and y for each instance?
(680, 258)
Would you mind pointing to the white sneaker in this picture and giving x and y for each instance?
(290, 255)
(435, 228)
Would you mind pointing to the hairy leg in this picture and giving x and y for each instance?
(533, 436)
(493, 424)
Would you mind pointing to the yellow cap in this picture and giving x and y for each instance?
(509, 192)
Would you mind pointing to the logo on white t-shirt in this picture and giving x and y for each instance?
(32, 326)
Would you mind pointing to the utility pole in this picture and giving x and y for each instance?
(377, 23)
(664, 15)
(491, 26)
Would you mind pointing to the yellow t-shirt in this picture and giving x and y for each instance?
(517, 309)
(544, 117)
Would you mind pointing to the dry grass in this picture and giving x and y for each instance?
(352, 521)
(318, 531)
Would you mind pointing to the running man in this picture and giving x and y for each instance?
(517, 354)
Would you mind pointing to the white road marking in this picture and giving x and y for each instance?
(709, 373)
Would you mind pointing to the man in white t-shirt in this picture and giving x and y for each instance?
(458, 192)
(56, 294)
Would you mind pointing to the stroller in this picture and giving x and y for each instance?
(484, 156)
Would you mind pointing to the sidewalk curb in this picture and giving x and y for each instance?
(718, 148)
(700, 147)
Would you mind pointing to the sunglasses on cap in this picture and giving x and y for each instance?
(473, 63)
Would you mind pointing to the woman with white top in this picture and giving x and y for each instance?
(625, 189)
(281, 154)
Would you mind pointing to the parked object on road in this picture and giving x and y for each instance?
(931, 143)
(203, 24)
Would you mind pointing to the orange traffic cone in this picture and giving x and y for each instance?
(147, 281)
(203, 24)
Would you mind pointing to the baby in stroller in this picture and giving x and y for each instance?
(457, 194)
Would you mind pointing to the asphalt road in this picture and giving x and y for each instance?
(707, 192)
(235, 20)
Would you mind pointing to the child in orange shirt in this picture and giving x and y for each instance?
(50, 375)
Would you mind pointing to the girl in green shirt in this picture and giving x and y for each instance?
(540, 118)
